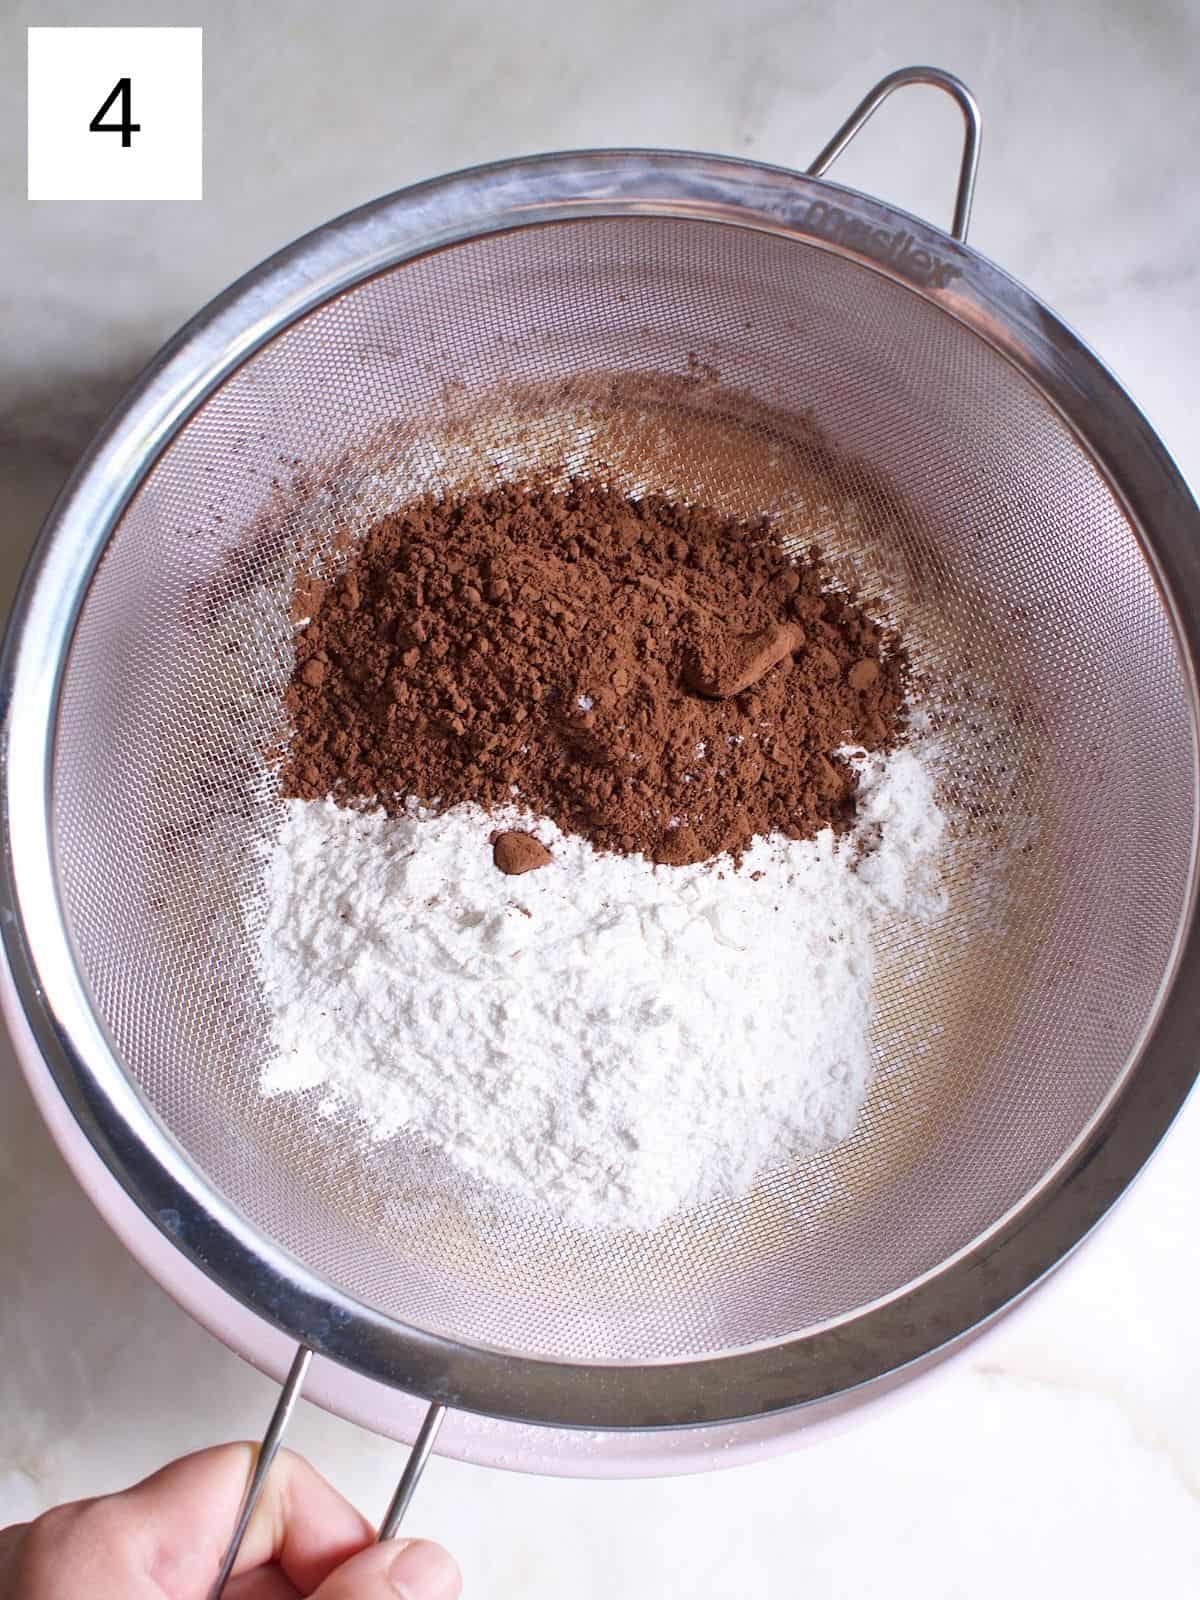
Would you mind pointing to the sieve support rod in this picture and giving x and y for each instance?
(870, 104)
(419, 1454)
(267, 1452)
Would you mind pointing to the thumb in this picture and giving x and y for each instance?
(397, 1569)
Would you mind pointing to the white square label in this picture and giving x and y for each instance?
(115, 114)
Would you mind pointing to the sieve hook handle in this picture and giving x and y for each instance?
(870, 104)
(269, 1449)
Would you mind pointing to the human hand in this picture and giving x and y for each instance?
(164, 1539)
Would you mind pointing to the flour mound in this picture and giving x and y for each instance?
(601, 1039)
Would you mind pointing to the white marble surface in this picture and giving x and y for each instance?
(1062, 1455)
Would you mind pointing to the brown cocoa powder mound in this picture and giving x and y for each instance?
(545, 648)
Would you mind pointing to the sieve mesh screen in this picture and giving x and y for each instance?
(701, 360)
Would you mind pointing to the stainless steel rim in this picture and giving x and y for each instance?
(881, 1340)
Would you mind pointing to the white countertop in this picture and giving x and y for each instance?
(1062, 1453)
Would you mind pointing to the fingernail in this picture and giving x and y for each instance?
(424, 1571)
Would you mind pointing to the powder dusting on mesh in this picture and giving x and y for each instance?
(604, 1040)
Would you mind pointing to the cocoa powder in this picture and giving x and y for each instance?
(727, 662)
(516, 851)
(654, 676)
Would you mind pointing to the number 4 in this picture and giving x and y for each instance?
(126, 127)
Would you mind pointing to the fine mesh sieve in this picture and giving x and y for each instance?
(759, 342)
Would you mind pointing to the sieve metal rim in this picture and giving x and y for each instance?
(814, 1368)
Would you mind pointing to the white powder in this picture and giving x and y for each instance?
(603, 1039)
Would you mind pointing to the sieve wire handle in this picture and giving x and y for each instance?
(870, 104)
(269, 1449)
(413, 1468)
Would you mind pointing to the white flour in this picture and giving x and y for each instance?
(603, 1039)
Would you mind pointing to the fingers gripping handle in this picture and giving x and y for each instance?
(280, 1417)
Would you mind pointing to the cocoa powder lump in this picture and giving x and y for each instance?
(654, 676)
